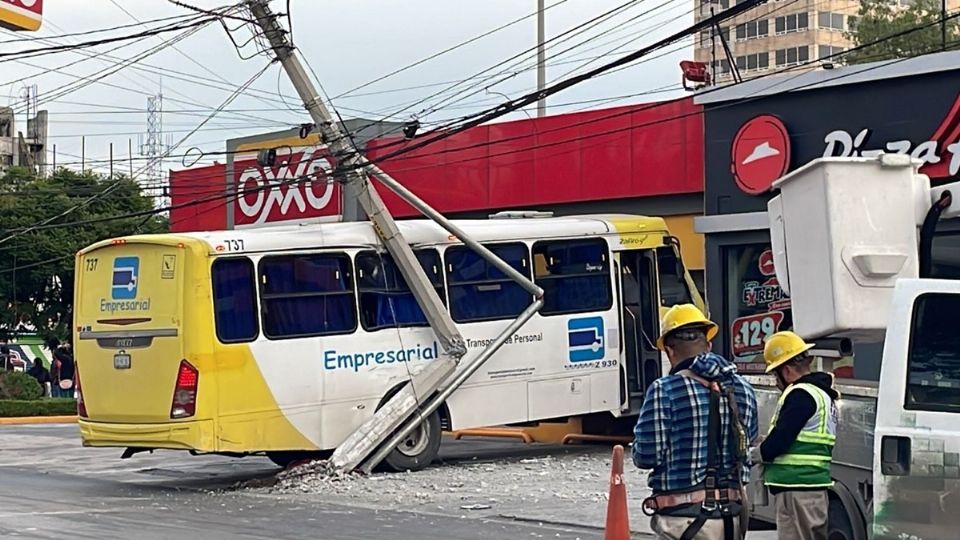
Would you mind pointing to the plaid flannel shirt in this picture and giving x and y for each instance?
(670, 438)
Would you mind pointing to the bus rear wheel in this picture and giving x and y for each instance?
(418, 449)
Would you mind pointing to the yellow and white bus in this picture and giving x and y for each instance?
(284, 340)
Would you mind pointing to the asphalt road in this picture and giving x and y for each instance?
(50, 487)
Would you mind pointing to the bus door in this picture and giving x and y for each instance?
(917, 439)
(639, 307)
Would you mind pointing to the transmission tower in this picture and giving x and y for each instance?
(153, 147)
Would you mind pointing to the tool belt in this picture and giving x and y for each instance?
(672, 500)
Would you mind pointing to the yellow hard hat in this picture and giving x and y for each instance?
(782, 347)
(685, 315)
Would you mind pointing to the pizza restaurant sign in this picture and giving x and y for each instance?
(761, 150)
(21, 14)
(841, 143)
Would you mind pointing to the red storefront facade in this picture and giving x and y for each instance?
(640, 159)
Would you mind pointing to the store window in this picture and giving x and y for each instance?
(756, 305)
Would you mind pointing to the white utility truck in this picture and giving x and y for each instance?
(851, 240)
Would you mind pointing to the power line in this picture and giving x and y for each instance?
(98, 30)
(42, 51)
(238, 193)
(447, 50)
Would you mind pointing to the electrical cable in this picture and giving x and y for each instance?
(42, 51)
(447, 50)
(258, 188)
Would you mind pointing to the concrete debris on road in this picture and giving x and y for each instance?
(570, 489)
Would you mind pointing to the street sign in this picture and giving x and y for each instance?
(21, 14)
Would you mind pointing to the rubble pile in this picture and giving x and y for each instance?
(309, 477)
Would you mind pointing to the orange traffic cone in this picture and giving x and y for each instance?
(618, 524)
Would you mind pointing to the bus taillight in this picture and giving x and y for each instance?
(185, 394)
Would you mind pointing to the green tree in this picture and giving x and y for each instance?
(877, 20)
(36, 267)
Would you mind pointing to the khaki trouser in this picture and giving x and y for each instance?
(802, 515)
(672, 527)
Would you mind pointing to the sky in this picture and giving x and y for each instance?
(348, 43)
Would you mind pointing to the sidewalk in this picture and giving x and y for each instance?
(25, 420)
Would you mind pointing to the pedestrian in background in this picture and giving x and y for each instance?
(39, 372)
(63, 370)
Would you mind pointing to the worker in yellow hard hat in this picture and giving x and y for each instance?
(696, 489)
(798, 449)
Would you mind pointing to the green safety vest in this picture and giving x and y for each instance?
(806, 464)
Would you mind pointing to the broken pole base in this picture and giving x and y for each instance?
(402, 406)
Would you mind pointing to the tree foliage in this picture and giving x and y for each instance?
(878, 20)
(36, 267)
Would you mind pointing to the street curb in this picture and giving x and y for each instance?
(24, 420)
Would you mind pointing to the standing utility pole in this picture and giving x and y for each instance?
(943, 25)
(407, 409)
(541, 60)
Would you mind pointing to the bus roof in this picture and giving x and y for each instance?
(417, 232)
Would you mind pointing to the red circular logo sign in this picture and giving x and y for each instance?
(766, 263)
(760, 154)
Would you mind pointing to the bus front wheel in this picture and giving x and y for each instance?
(418, 449)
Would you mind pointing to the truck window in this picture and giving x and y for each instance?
(933, 368)
(234, 301)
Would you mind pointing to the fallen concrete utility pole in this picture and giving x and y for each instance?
(402, 412)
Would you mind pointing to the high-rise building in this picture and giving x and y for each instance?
(779, 34)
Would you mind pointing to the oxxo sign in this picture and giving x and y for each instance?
(299, 186)
(21, 14)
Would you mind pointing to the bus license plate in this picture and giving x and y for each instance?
(121, 361)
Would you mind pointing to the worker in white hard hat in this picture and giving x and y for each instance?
(690, 421)
(798, 449)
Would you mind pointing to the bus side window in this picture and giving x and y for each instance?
(385, 297)
(234, 304)
(574, 276)
(307, 295)
(673, 288)
(480, 292)
(933, 368)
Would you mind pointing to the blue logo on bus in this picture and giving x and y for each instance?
(126, 274)
(585, 337)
